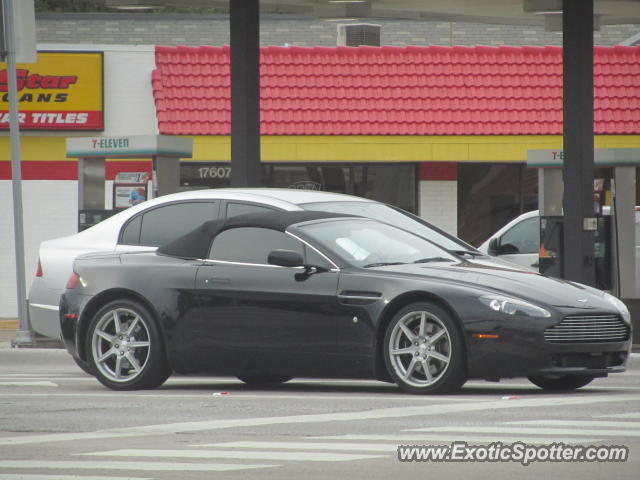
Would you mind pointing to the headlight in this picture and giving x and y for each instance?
(620, 306)
(514, 306)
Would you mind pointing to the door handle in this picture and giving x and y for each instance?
(214, 280)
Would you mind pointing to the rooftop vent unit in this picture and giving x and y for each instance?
(354, 34)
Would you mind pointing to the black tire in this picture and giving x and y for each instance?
(560, 382)
(124, 347)
(265, 379)
(428, 350)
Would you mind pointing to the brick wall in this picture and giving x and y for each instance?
(159, 29)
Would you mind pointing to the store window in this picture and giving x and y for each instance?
(392, 183)
(490, 195)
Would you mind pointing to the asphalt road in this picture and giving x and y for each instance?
(58, 423)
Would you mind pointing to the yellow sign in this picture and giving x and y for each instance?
(62, 91)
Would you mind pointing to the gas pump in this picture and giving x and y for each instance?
(613, 221)
(130, 188)
(551, 236)
(602, 236)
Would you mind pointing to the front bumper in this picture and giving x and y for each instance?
(522, 350)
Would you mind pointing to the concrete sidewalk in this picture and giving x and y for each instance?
(9, 328)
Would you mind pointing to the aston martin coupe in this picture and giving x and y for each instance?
(271, 296)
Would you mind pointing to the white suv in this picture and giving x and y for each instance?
(522, 235)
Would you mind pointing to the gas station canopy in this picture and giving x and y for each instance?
(135, 146)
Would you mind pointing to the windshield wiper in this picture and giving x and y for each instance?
(382, 264)
(433, 259)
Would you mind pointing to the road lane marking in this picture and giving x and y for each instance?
(147, 466)
(392, 412)
(443, 438)
(350, 447)
(241, 395)
(28, 384)
(33, 476)
(529, 431)
(580, 423)
(234, 454)
(621, 415)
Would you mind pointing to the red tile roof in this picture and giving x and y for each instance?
(389, 90)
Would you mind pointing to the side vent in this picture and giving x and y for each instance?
(354, 34)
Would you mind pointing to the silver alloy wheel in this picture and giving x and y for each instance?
(420, 348)
(120, 345)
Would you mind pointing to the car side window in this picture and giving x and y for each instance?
(235, 209)
(131, 232)
(161, 225)
(522, 238)
(251, 245)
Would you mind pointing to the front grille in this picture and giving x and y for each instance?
(588, 329)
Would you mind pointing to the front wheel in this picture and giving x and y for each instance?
(560, 382)
(125, 349)
(424, 350)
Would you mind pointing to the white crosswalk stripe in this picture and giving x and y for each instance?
(305, 456)
(34, 476)
(337, 446)
(633, 415)
(27, 383)
(112, 465)
(440, 439)
(581, 423)
(560, 432)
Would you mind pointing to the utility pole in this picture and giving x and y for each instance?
(12, 27)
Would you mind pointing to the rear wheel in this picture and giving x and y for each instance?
(560, 382)
(125, 349)
(260, 380)
(424, 351)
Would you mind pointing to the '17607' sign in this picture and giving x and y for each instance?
(62, 91)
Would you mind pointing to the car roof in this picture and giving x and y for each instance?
(263, 195)
(282, 198)
(196, 243)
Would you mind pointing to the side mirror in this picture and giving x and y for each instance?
(494, 247)
(285, 258)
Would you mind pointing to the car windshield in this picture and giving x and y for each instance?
(365, 243)
(386, 214)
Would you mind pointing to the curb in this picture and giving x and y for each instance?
(11, 324)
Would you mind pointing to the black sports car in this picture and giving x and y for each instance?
(268, 297)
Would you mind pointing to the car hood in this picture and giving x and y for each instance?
(509, 281)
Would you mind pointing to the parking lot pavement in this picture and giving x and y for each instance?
(56, 422)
